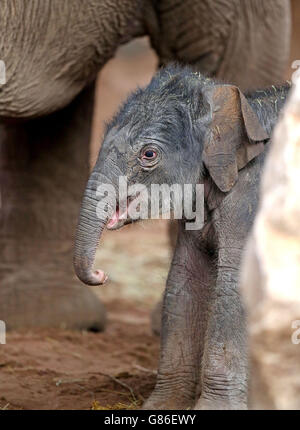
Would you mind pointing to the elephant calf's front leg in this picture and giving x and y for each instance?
(224, 374)
(183, 326)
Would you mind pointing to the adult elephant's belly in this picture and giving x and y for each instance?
(51, 52)
(24, 97)
(38, 84)
(245, 43)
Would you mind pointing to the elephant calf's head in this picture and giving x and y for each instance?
(177, 130)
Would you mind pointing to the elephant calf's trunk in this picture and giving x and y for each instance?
(88, 234)
(86, 275)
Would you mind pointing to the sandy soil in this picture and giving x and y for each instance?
(51, 369)
(59, 369)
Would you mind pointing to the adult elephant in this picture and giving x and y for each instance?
(53, 51)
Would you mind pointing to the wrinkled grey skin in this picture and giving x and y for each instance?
(203, 361)
(53, 50)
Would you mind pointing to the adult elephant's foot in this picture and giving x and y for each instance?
(29, 299)
(44, 165)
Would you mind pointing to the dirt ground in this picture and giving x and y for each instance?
(59, 369)
(51, 369)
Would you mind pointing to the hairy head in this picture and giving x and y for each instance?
(153, 132)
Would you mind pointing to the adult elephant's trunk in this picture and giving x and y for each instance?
(90, 227)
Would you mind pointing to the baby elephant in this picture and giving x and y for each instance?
(187, 129)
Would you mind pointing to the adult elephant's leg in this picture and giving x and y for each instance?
(44, 167)
(183, 326)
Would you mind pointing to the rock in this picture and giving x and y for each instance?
(270, 276)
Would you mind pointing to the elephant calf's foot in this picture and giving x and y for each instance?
(220, 394)
(167, 403)
(220, 404)
(57, 304)
(171, 396)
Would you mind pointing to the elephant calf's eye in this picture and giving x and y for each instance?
(149, 154)
(149, 157)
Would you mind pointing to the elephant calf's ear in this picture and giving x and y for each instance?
(235, 136)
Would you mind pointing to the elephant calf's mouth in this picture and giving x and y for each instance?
(119, 219)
